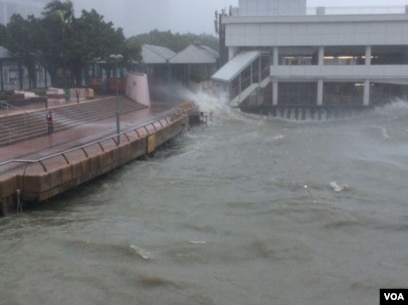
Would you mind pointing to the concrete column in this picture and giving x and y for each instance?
(368, 56)
(320, 92)
(320, 60)
(240, 83)
(275, 56)
(406, 9)
(260, 69)
(252, 73)
(366, 93)
(275, 87)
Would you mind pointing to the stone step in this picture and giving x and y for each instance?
(25, 126)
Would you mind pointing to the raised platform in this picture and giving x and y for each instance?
(38, 169)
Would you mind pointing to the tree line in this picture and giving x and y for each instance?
(60, 41)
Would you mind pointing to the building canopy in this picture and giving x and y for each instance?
(235, 66)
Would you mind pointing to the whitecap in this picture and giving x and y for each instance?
(198, 242)
(146, 255)
(337, 188)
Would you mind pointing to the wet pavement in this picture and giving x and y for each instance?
(88, 132)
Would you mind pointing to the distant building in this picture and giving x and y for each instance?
(155, 62)
(23, 7)
(194, 63)
(281, 54)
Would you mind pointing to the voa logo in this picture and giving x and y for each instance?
(393, 296)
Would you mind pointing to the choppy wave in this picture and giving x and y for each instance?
(247, 210)
(142, 253)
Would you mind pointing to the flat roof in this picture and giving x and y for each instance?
(235, 66)
(313, 19)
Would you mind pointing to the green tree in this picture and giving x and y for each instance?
(91, 37)
(56, 26)
(20, 41)
(60, 42)
(3, 34)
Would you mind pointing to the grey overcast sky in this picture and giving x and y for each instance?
(184, 16)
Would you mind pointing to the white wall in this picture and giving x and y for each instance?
(137, 88)
(379, 73)
(317, 31)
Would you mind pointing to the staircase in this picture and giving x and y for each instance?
(30, 124)
(236, 101)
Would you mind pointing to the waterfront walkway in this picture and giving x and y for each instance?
(80, 135)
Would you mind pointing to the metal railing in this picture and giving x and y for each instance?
(168, 116)
(356, 10)
(239, 85)
(7, 106)
(10, 132)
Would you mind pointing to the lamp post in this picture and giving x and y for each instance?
(116, 58)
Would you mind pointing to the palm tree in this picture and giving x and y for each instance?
(59, 16)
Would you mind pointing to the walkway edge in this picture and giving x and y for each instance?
(48, 177)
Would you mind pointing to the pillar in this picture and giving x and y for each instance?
(275, 56)
(260, 69)
(320, 92)
(368, 53)
(366, 100)
(320, 60)
(252, 73)
(275, 87)
(240, 84)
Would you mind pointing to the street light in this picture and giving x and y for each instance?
(116, 58)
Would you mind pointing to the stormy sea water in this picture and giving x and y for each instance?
(250, 210)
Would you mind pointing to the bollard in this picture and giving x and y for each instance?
(19, 206)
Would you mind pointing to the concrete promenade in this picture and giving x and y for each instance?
(80, 135)
(45, 166)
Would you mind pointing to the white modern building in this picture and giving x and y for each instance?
(281, 54)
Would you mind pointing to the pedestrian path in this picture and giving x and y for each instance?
(87, 132)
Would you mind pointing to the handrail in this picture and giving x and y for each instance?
(134, 128)
(5, 105)
(8, 105)
(10, 131)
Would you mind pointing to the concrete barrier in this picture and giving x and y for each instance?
(137, 88)
(8, 188)
(58, 174)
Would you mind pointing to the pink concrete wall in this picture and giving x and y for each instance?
(137, 88)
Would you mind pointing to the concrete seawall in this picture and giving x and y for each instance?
(39, 180)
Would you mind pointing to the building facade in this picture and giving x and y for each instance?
(297, 57)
